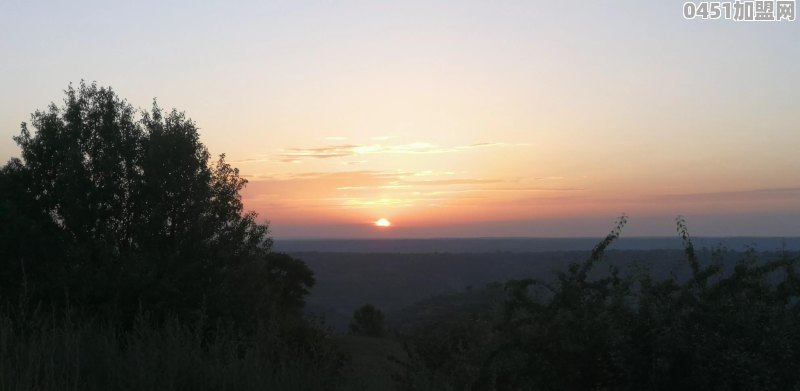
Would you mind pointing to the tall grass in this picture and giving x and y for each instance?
(45, 351)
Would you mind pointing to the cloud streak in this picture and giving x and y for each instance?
(347, 150)
(378, 189)
(791, 193)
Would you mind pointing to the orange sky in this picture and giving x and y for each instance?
(450, 118)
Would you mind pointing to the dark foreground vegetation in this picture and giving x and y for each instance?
(595, 327)
(127, 262)
(48, 351)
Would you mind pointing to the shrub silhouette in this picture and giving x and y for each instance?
(368, 321)
(598, 328)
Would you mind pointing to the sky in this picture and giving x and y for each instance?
(448, 118)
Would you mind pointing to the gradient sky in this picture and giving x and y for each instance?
(449, 118)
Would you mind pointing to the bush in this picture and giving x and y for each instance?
(737, 330)
(368, 321)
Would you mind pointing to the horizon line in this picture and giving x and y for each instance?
(755, 236)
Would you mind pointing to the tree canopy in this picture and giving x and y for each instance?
(116, 208)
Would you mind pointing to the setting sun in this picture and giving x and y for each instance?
(383, 223)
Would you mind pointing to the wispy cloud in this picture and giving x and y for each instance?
(739, 195)
(452, 182)
(319, 152)
(365, 188)
(297, 155)
(345, 150)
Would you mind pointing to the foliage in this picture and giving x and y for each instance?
(445, 336)
(121, 214)
(368, 321)
(112, 209)
(595, 329)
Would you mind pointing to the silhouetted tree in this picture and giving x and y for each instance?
(28, 237)
(368, 321)
(116, 211)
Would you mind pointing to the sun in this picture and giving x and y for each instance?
(382, 222)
